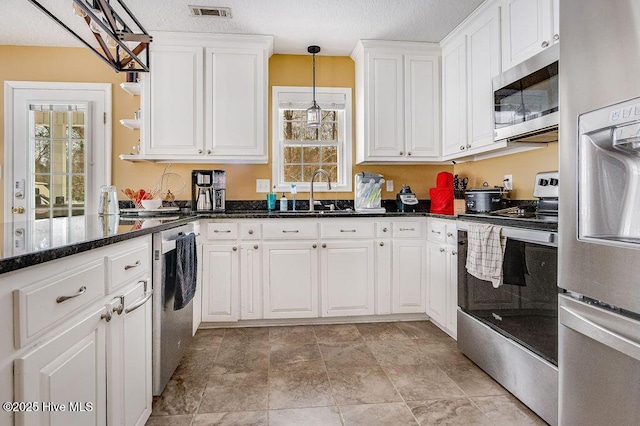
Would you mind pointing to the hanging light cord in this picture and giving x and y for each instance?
(314, 79)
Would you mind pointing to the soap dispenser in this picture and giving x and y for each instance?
(283, 203)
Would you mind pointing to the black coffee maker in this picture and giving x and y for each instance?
(208, 189)
(406, 200)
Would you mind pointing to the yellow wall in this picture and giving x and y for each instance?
(523, 167)
(80, 65)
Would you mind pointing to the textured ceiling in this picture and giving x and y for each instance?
(334, 25)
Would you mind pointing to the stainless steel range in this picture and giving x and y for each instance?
(511, 331)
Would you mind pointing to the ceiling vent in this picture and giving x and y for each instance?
(219, 12)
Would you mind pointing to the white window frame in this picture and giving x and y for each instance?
(279, 95)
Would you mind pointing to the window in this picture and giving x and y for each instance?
(298, 151)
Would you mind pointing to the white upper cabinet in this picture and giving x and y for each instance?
(205, 99)
(527, 28)
(454, 96)
(398, 101)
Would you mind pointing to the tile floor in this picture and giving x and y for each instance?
(400, 373)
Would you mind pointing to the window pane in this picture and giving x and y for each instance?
(77, 132)
(77, 191)
(292, 154)
(42, 156)
(329, 131)
(41, 191)
(60, 213)
(308, 170)
(293, 114)
(311, 154)
(60, 190)
(333, 172)
(329, 154)
(60, 157)
(310, 134)
(59, 124)
(293, 173)
(77, 156)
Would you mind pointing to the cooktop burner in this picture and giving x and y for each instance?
(525, 212)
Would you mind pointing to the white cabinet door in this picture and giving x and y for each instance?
(556, 21)
(527, 29)
(220, 283)
(409, 282)
(483, 62)
(69, 368)
(250, 280)
(235, 105)
(347, 277)
(454, 97)
(452, 291)
(385, 106)
(437, 282)
(383, 276)
(173, 101)
(290, 279)
(422, 105)
(129, 394)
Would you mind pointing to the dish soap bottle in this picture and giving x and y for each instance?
(283, 203)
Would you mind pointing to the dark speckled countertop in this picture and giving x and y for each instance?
(50, 239)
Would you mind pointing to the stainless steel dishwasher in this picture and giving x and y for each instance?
(172, 330)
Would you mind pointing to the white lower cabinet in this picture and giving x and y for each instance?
(220, 290)
(69, 367)
(250, 280)
(409, 282)
(290, 279)
(347, 278)
(442, 297)
(383, 274)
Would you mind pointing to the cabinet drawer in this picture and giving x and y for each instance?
(437, 231)
(250, 231)
(347, 229)
(408, 229)
(44, 304)
(289, 229)
(452, 233)
(222, 231)
(126, 266)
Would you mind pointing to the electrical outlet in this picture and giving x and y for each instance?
(389, 186)
(263, 185)
(508, 182)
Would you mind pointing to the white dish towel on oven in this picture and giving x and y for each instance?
(485, 252)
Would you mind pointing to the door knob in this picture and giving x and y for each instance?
(18, 210)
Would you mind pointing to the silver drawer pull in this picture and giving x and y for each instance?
(409, 229)
(81, 291)
(135, 306)
(228, 231)
(432, 231)
(347, 230)
(135, 265)
(295, 231)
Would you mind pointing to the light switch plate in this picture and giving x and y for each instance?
(263, 185)
(508, 182)
(389, 186)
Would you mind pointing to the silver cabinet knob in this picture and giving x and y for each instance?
(468, 146)
(324, 245)
(384, 229)
(199, 151)
(401, 152)
(208, 152)
(314, 246)
(250, 231)
(235, 248)
(461, 147)
(441, 250)
(449, 234)
(381, 243)
(255, 246)
(556, 37)
(106, 316)
(408, 152)
(453, 253)
(544, 44)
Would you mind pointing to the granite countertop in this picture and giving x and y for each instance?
(513, 222)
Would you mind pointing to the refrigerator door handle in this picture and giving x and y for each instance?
(572, 319)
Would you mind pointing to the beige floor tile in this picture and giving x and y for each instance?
(472, 380)
(338, 333)
(317, 416)
(235, 392)
(183, 420)
(197, 361)
(396, 414)
(398, 352)
(443, 354)
(181, 395)
(423, 330)
(459, 411)
(284, 357)
(294, 335)
(242, 418)
(342, 355)
(296, 389)
(381, 331)
(507, 411)
(421, 382)
(362, 385)
(242, 358)
(207, 338)
(239, 336)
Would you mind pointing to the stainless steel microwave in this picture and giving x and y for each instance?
(526, 100)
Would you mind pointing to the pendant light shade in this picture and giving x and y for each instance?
(313, 112)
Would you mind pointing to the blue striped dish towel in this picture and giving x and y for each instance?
(485, 252)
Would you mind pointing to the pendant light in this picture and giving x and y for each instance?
(313, 112)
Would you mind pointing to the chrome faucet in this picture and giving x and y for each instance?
(313, 177)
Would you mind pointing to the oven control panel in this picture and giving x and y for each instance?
(546, 185)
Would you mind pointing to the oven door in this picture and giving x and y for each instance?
(524, 308)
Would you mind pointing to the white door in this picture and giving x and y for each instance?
(57, 155)
(454, 97)
(220, 283)
(422, 105)
(527, 29)
(68, 368)
(347, 277)
(436, 300)
(250, 280)
(290, 285)
(409, 276)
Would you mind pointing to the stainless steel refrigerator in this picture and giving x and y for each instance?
(599, 224)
